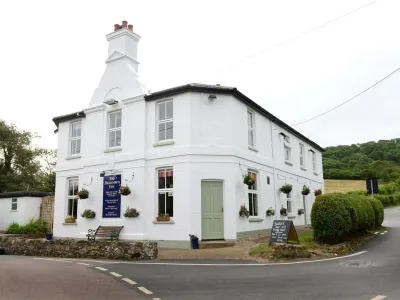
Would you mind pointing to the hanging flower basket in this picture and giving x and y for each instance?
(131, 213)
(305, 191)
(300, 211)
(283, 211)
(270, 212)
(249, 180)
(88, 214)
(318, 192)
(243, 212)
(286, 189)
(124, 190)
(83, 194)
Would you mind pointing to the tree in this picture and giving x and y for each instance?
(20, 161)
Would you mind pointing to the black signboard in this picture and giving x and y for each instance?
(372, 186)
(282, 231)
(112, 196)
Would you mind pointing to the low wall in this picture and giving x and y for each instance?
(70, 248)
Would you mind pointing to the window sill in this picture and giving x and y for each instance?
(315, 173)
(68, 224)
(72, 157)
(13, 210)
(255, 219)
(288, 163)
(252, 148)
(164, 143)
(164, 222)
(304, 169)
(112, 149)
(290, 216)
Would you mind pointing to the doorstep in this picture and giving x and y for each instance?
(215, 244)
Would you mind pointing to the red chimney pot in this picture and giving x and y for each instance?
(116, 27)
(124, 24)
(130, 27)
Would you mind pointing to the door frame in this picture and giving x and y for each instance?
(223, 207)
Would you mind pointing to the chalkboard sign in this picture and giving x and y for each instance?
(112, 196)
(372, 186)
(282, 231)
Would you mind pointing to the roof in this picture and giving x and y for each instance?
(23, 194)
(217, 89)
(204, 88)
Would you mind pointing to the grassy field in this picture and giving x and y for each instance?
(343, 186)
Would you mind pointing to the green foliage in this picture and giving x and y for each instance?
(378, 209)
(336, 216)
(24, 166)
(286, 188)
(88, 214)
(373, 159)
(359, 192)
(389, 188)
(305, 191)
(33, 226)
(389, 200)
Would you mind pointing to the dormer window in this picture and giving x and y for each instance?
(75, 138)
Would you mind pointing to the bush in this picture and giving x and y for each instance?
(359, 192)
(361, 212)
(378, 209)
(33, 226)
(330, 219)
(389, 188)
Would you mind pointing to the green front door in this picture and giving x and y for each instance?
(212, 223)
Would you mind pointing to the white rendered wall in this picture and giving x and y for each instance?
(28, 208)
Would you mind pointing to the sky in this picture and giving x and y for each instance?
(52, 57)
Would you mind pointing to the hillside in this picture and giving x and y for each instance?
(358, 161)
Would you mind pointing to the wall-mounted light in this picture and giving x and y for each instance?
(311, 150)
(212, 97)
(111, 102)
(282, 134)
(102, 174)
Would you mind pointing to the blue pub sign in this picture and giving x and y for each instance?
(111, 196)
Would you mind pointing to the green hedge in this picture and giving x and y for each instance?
(335, 216)
(389, 200)
(378, 209)
(33, 226)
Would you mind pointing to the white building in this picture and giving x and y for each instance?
(182, 151)
(19, 207)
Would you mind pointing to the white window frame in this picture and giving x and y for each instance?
(165, 120)
(253, 193)
(289, 203)
(74, 138)
(314, 161)
(72, 198)
(288, 148)
(113, 129)
(14, 201)
(251, 128)
(166, 191)
(302, 155)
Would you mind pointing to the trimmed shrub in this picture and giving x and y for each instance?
(361, 212)
(33, 226)
(378, 209)
(330, 218)
(359, 192)
(389, 200)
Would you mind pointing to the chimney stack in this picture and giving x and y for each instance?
(124, 24)
(130, 27)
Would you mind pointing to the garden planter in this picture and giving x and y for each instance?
(49, 236)
(163, 219)
(70, 220)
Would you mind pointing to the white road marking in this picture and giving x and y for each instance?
(382, 233)
(156, 298)
(385, 231)
(100, 268)
(378, 297)
(62, 260)
(144, 290)
(83, 264)
(376, 232)
(128, 281)
(115, 274)
(246, 265)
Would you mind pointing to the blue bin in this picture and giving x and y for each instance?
(194, 241)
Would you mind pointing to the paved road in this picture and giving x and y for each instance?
(371, 275)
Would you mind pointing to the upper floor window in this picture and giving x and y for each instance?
(250, 126)
(114, 129)
(75, 138)
(287, 152)
(314, 161)
(165, 192)
(14, 204)
(302, 156)
(253, 196)
(165, 120)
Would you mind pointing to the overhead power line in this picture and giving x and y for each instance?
(347, 101)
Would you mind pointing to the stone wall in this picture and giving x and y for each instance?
(71, 248)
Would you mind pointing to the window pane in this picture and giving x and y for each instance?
(251, 204)
(251, 139)
(169, 179)
(112, 120)
(170, 204)
(255, 205)
(161, 111)
(254, 186)
(170, 133)
(118, 118)
(75, 209)
(13, 206)
(73, 187)
(301, 161)
(250, 119)
(76, 129)
(170, 112)
(73, 146)
(70, 205)
(111, 139)
(78, 146)
(161, 203)
(118, 137)
(161, 179)
(161, 131)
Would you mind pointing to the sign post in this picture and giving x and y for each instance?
(111, 196)
(283, 231)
